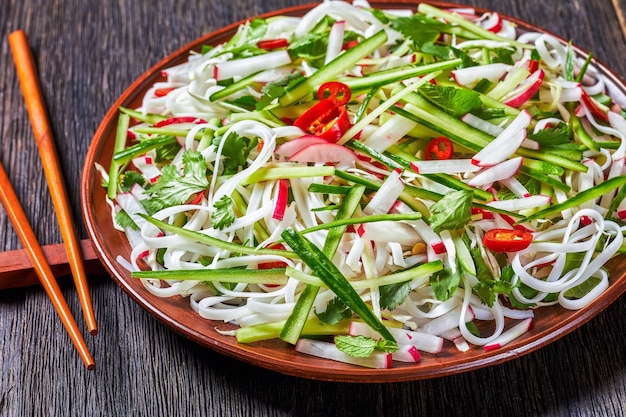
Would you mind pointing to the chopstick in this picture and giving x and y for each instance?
(43, 135)
(29, 240)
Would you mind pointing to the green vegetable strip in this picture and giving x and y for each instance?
(217, 243)
(149, 118)
(583, 196)
(312, 327)
(295, 171)
(360, 220)
(120, 142)
(233, 88)
(332, 277)
(275, 276)
(142, 147)
(293, 327)
(343, 62)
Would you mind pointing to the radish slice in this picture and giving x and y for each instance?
(510, 335)
(335, 40)
(444, 166)
(132, 207)
(515, 187)
(406, 353)
(501, 171)
(248, 66)
(481, 124)
(389, 231)
(281, 199)
(389, 133)
(289, 148)
(492, 23)
(422, 341)
(506, 143)
(145, 165)
(326, 350)
(516, 204)
(429, 236)
(526, 90)
(324, 153)
(387, 194)
(471, 75)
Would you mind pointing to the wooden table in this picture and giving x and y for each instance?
(88, 52)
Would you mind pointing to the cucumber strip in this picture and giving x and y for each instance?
(334, 279)
(274, 276)
(312, 327)
(467, 25)
(328, 189)
(275, 173)
(555, 183)
(165, 131)
(463, 253)
(121, 135)
(217, 243)
(342, 63)
(233, 88)
(142, 147)
(583, 196)
(295, 323)
(621, 194)
(150, 118)
(580, 132)
(382, 78)
(366, 219)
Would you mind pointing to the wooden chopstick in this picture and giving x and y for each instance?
(29, 240)
(27, 75)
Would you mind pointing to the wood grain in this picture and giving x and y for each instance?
(88, 53)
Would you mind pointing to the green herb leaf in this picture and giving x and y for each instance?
(172, 188)
(582, 289)
(452, 212)
(456, 101)
(224, 214)
(554, 135)
(445, 282)
(129, 178)
(419, 28)
(276, 89)
(336, 310)
(363, 346)
(124, 220)
(235, 151)
(394, 294)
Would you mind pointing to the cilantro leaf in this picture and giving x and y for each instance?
(419, 28)
(336, 310)
(452, 212)
(363, 346)
(311, 48)
(235, 151)
(394, 294)
(224, 214)
(456, 101)
(447, 52)
(445, 282)
(124, 220)
(129, 178)
(172, 188)
(276, 89)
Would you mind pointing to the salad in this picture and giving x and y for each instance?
(370, 184)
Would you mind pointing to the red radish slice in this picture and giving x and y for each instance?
(493, 22)
(515, 187)
(506, 143)
(444, 166)
(335, 40)
(526, 90)
(481, 124)
(180, 120)
(406, 353)
(248, 66)
(594, 107)
(387, 194)
(501, 171)
(471, 75)
(145, 165)
(378, 360)
(511, 334)
(281, 199)
(422, 341)
(429, 236)
(288, 149)
(323, 153)
(516, 204)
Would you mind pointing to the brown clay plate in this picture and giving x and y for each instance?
(551, 323)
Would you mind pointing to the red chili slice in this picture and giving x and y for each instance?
(273, 264)
(507, 240)
(439, 148)
(270, 44)
(326, 120)
(337, 92)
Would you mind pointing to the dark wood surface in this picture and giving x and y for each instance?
(88, 52)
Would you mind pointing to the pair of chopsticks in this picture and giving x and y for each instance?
(36, 109)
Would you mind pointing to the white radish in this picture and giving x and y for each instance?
(526, 90)
(387, 194)
(248, 66)
(501, 171)
(323, 153)
(469, 76)
(291, 147)
(515, 204)
(510, 335)
(444, 166)
(328, 350)
(447, 321)
(506, 143)
(422, 341)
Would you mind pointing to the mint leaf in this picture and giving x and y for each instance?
(394, 294)
(456, 101)
(224, 214)
(452, 212)
(172, 188)
(553, 135)
(336, 310)
(445, 282)
(363, 346)
(419, 28)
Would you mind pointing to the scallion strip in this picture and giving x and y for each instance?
(273, 276)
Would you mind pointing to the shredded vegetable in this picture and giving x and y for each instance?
(431, 173)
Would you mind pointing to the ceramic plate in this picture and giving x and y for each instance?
(550, 324)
